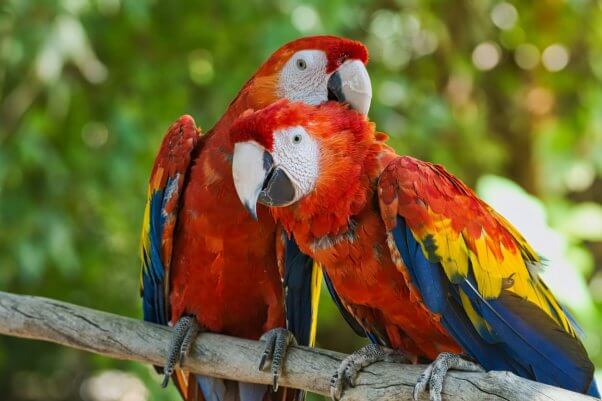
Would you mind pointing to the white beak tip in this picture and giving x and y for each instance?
(252, 209)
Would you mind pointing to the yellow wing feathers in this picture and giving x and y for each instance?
(495, 264)
(316, 286)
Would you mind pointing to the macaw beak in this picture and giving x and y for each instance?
(350, 83)
(256, 179)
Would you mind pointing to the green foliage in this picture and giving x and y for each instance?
(88, 87)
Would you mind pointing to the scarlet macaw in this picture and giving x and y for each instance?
(409, 252)
(208, 266)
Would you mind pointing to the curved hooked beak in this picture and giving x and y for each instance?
(256, 179)
(350, 83)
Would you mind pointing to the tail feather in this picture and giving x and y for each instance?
(218, 389)
(202, 388)
(252, 391)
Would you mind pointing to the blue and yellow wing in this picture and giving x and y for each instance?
(167, 181)
(165, 189)
(473, 268)
(301, 279)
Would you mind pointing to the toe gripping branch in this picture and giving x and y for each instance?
(277, 342)
(185, 332)
(349, 369)
(434, 374)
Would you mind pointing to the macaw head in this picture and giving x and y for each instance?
(291, 152)
(314, 70)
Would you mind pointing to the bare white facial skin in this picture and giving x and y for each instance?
(304, 77)
(298, 154)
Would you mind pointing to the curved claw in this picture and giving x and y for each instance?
(277, 342)
(434, 374)
(350, 367)
(336, 387)
(185, 332)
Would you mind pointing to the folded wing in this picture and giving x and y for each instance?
(167, 183)
(472, 267)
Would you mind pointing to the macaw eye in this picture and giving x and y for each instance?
(297, 139)
(301, 64)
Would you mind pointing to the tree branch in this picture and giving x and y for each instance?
(233, 358)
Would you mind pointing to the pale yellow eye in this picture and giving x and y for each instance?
(301, 64)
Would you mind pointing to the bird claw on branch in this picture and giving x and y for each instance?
(434, 374)
(277, 342)
(349, 369)
(185, 332)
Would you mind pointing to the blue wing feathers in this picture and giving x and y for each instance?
(153, 290)
(425, 275)
(522, 338)
(297, 281)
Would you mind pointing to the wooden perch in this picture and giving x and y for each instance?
(232, 358)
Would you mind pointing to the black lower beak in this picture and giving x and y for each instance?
(277, 190)
(335, 88)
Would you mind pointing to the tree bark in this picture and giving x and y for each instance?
(233, 358)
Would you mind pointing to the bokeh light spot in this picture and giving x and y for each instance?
(95, 134)
(305, 18)
(395, 56)
(425, 42)
(391, 93)
(200, 66)
(539, 101)
(385, 24)
(486, 56)
(113, 385)
(504, 15)
(580, 176)
(555, 57)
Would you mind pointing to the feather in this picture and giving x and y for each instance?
(252, 391)
(302, 289)
(474, 269)
(355, 325)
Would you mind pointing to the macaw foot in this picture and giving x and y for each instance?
(434, 374)
(350, 367)
(277, 342)
(185, 332)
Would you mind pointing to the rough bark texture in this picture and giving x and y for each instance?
(233, 358)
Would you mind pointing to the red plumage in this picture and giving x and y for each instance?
(413, 254)
(220, 264)
(366, 279)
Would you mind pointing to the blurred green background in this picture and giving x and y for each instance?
(87, 88)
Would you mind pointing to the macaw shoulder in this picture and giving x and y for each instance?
(426, 194)
(176, 149)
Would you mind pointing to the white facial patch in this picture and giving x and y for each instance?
(304, 77)
(297, 153)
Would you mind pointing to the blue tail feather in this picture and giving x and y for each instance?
(213, 389)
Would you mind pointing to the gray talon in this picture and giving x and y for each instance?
(434, 374)
(191, 335)
(348, 370)
(277, 342)
(185, 331)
